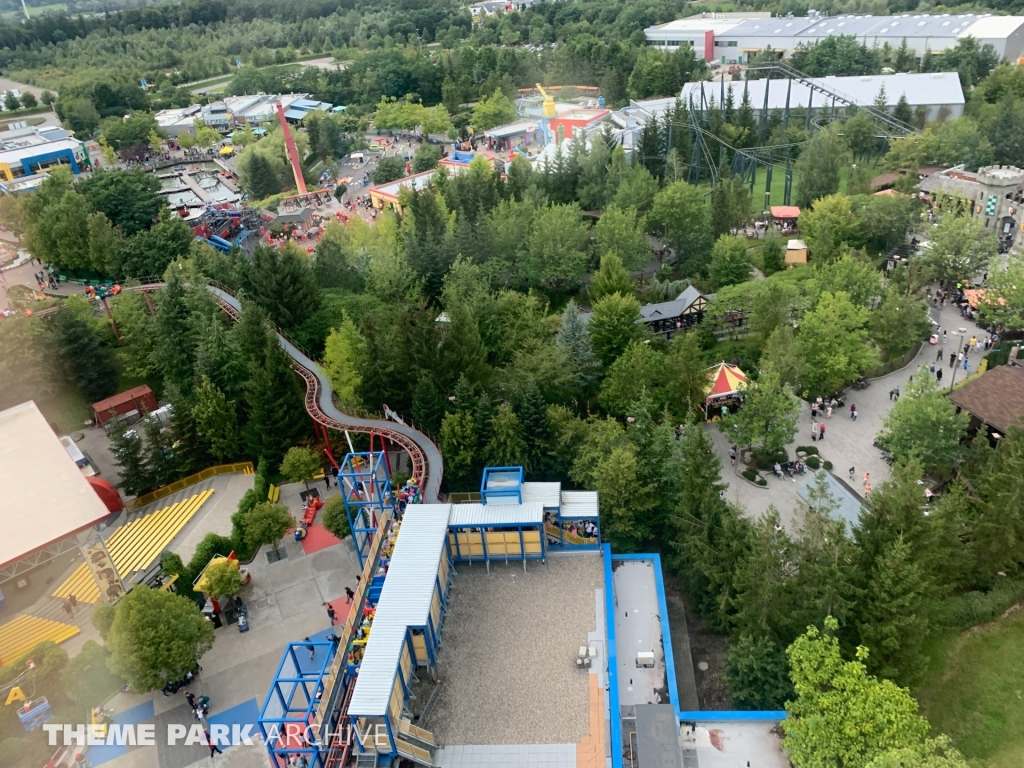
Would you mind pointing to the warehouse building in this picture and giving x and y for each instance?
(727, 38)
(235, 111)
(938, 94)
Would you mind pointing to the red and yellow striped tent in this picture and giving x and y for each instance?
(725, 379)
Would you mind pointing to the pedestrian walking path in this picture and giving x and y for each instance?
(850, 443)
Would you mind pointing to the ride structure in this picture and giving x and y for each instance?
(549, 111)
(365, 483)
(745, 162)
(424, 455)
(293, 153)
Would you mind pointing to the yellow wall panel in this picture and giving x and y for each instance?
(419, 643)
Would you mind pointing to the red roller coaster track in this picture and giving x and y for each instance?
(427, 464)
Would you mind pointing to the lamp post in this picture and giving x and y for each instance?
(960, 346)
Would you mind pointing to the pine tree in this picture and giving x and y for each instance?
(903, 111)
(190, 449)
(462, 352)
(172, 346)
(532, 414)
(215, 418)
(276, 418)
(465, 397)
(708, 532)
(999, 530)
(86, 360)
(506, 446)
(252, 334)
(763, 603)
(827, 581)
(574, 337)
(128, 455)
(729, 106)
(259, 177)
(652, 149)
(893, 618)
(459, 443)
(282, 283)
(881, 103)
(745, 120)
(482, 415)
(428, 405)
(219, 357)
(161, 464)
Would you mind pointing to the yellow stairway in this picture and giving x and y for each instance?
(20, 636)
(134, 547)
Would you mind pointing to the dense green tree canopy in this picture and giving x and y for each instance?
(156, 637)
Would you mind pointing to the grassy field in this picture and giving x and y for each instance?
(38, 10)
(975, 691)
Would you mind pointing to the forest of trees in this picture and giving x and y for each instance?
(499, 312)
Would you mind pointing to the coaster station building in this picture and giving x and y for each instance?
(488, 633)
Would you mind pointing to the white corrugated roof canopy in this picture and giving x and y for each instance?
(497, 514)
(404, 602)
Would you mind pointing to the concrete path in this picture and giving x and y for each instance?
(847, 443)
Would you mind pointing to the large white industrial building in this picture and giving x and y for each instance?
(734, 37)
(939, 94)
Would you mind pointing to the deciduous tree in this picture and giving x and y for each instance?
(157, 637)
(768, 416)
(300, 464)
(924, 426)
(730, 261)
(680, 212)
(344, 357)
(614, 323)
(820, 165)
(610, 278)
(842, 715)
(619, 231)
(960, 248)
(832, 341)
(266, 523)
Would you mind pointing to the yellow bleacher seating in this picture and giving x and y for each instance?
(20, 636)
(274, 494)
(135, 546)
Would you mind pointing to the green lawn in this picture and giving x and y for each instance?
(35, 10)
(975, 691)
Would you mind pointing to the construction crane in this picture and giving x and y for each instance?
(293, 153)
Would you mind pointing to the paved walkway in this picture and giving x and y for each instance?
(847, 443)
(285, 601)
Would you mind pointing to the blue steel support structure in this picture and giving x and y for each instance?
(288, 711)
(365, 486)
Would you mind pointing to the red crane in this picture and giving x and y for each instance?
(293, 153)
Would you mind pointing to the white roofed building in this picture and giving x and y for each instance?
(735, 39)
(938, 93)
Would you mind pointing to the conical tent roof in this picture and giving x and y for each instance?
(725, 379)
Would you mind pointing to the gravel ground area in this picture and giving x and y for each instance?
(508, 653)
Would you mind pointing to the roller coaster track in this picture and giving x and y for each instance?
(888, 127)
(427, 464)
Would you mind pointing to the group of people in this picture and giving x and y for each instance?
(46, 279)
(789, 469)
(200, 705)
